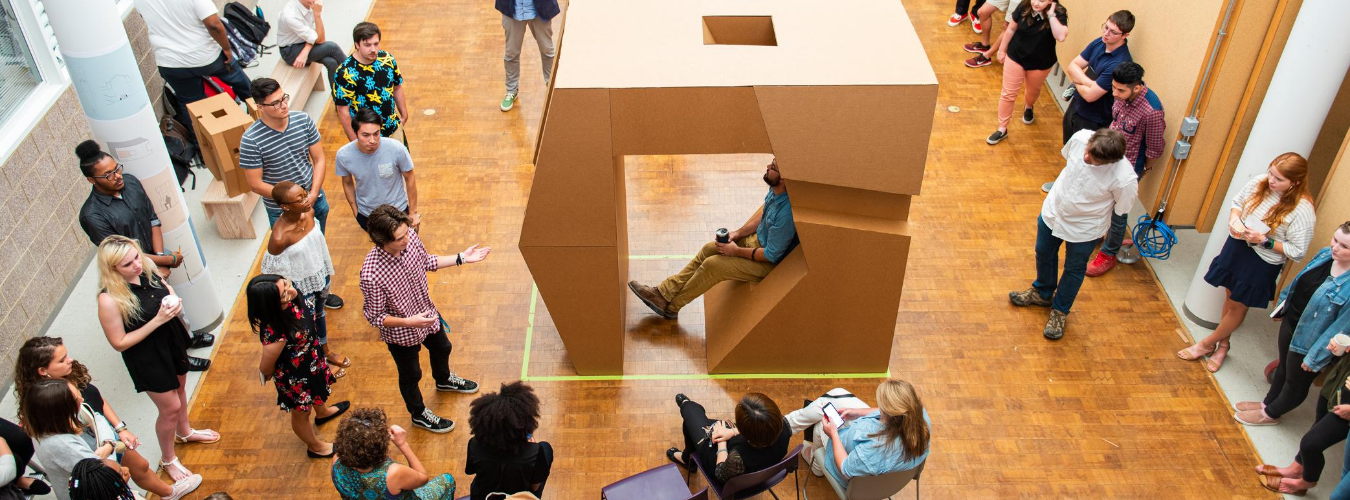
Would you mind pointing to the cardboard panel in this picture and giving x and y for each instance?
(864, 137)
(738, 30)
(572, 201)
(849, 200)
(219, 124)
(582, 287)
(850, 294)
(673, 121)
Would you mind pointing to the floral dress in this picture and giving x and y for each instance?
(301, 375)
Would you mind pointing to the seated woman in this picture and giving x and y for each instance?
(92, 479)
(757, 441)
(16, 449)
(51, 415)
(363, 469)
(873, 441)
(503, 454)
(285, 323)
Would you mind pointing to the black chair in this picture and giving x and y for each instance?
(754, 483)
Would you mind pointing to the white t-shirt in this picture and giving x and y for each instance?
(295, 24)
(177, 33)
(1080, 205)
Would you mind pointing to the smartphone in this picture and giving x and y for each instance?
(833, 414)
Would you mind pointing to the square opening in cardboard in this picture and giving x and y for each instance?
(739, 30)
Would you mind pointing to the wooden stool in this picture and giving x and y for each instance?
(299, 83)
(233, 215)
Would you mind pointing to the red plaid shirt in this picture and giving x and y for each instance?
(397, 286)
(1141, 120)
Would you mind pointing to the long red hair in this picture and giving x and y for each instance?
(1291, 166)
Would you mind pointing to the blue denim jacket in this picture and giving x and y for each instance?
(1323, 318)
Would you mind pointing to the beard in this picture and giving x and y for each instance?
(772, 182)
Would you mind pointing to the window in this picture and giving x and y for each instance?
(18, 71)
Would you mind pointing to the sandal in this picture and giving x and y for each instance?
(1268, 470)
(342, 372)
(1215, 361)
(1193, 353)
(197, 432)
(173, 466)
(346, 362)
(1274, 484)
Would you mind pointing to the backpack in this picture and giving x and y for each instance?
(182, 153)
(252, 28)
(243, 51)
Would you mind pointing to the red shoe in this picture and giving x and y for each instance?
(975, 24)
(956, 19)
(979, 61)
(1101, 265)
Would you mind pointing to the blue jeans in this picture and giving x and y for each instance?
(1047, 267)
(1120, 225)
(1342, 491)
(320, 213)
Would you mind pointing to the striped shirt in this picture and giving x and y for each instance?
(396, 285)
(1295, 232)
(282, 156)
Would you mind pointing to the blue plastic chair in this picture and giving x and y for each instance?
(662, 483)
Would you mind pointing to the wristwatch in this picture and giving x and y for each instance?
(120, 427)
(1269, 244)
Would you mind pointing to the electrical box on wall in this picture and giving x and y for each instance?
(1181, 150)
(1189, 125)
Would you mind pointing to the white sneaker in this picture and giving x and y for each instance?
(187, 485)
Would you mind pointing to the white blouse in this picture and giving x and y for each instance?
(1295, 232)
(306, 263)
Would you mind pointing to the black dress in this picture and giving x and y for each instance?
(157, 360)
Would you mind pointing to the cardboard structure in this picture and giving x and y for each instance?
(220, 124)
(843, 96)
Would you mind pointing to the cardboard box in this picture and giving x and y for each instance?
(846, 105)
(219, 124)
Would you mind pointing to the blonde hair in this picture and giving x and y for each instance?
(111, 252)
(902, 413)
(1293, 167)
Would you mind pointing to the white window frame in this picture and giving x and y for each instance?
(55, 80)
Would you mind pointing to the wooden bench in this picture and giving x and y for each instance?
(233, 215)
(299, 83)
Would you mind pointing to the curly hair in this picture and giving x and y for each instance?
(39, 352)
(504, 421)
(363, 438)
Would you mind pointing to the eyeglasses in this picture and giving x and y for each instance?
(277, 103)
(1110, 31)
(108, 176)
(301, 199)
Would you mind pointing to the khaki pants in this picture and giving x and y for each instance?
(710, 268)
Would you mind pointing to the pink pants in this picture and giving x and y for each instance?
(1013, 78)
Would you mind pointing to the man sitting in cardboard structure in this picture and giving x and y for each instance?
(748, 254)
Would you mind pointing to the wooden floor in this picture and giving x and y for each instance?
(1107, 412)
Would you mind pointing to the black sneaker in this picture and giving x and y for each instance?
(996, 137)
(1028, 116)
(457, 384)
(429, 421)
(333, 301)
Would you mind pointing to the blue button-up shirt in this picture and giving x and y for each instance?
(776, 232)
(524, 10)
(869, 456)
(1323, 317)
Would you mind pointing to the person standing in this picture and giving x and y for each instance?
(117, 204)
(1251, 259)
(1027, 56)
(369, 78)
(285, 321)
(1090, 72)
(964, 10)
(191, 44)
(517, 15)
(302, 38)
(1138, 114)
(140, 320)
(300, 253)
(398, 304)
(376, 171)
(981, 23)
(1098, 181)
(283, 145)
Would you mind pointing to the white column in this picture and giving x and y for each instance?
(1306, 80)
(108, 81)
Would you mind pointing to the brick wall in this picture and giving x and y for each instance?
(42, 248)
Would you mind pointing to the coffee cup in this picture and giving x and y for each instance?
(1340, 343)
(723, 236)
(171, 300)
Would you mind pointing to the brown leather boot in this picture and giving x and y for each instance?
(652, 297)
